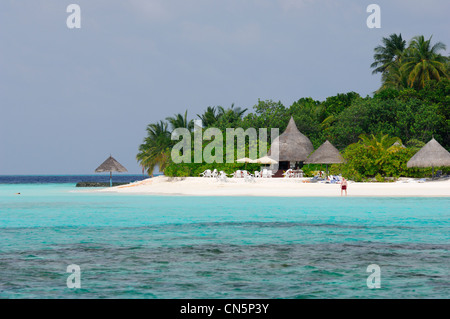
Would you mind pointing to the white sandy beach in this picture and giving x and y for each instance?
(279, 187)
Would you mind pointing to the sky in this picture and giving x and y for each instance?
(71, 97)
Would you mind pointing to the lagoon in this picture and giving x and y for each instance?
(146, 246)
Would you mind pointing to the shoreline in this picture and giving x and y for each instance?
(276, 187)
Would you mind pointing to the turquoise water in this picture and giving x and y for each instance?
(137, 246)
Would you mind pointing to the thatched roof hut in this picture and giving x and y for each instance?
(431, 155)
(111, 165)
(292, 145)
(325, 154)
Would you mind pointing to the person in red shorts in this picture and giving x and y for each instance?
(344, 186)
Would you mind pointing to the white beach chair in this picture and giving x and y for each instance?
(206, 173)
(249, 178)
(214, 173)
(257, 174)
(269, 172)
(222, 176)
(265, 173)
(288, 173)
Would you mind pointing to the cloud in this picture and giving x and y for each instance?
(150, 8)
(295, 4)
(247, 34)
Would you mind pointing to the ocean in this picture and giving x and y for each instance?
(146, 246)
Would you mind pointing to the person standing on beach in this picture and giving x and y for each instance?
(344, 186)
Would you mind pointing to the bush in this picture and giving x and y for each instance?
(310, 169)
(376, 162)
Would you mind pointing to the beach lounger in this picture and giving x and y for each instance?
(249, 178)
(264, 173)
(222, 176)
(316, 179)
(289, 173)
(237, 174)
(206, 173)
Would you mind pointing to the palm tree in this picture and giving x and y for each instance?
(180, 121)
(391, 52)
(232, 112)
(238, 112)
(380, 141)
(423, 62)
(209, 118)
(155, 149)
(395, 77)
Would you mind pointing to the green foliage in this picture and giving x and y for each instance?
(180, 121)
(410, 67)
(423, 62)
(415, 144)
(210, 117)
(306, 113)
(413, 105)
(374, 156)
(405, 114)
(334, 105)
(229, 118)
(267, 114)
(310, 169)
(387, 94)
(388, 54)
(350, 123)
(154, 151)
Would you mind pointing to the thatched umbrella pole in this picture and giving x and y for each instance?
(245, 160)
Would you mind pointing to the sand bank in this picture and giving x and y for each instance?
(280, 187)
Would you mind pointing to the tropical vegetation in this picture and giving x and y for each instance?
(411, 107)
(410, 66)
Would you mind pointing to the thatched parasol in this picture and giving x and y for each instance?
(266, 160)
(431, 155)
(245, 160)
(111, 165)
(292, 145)
(325, 154)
